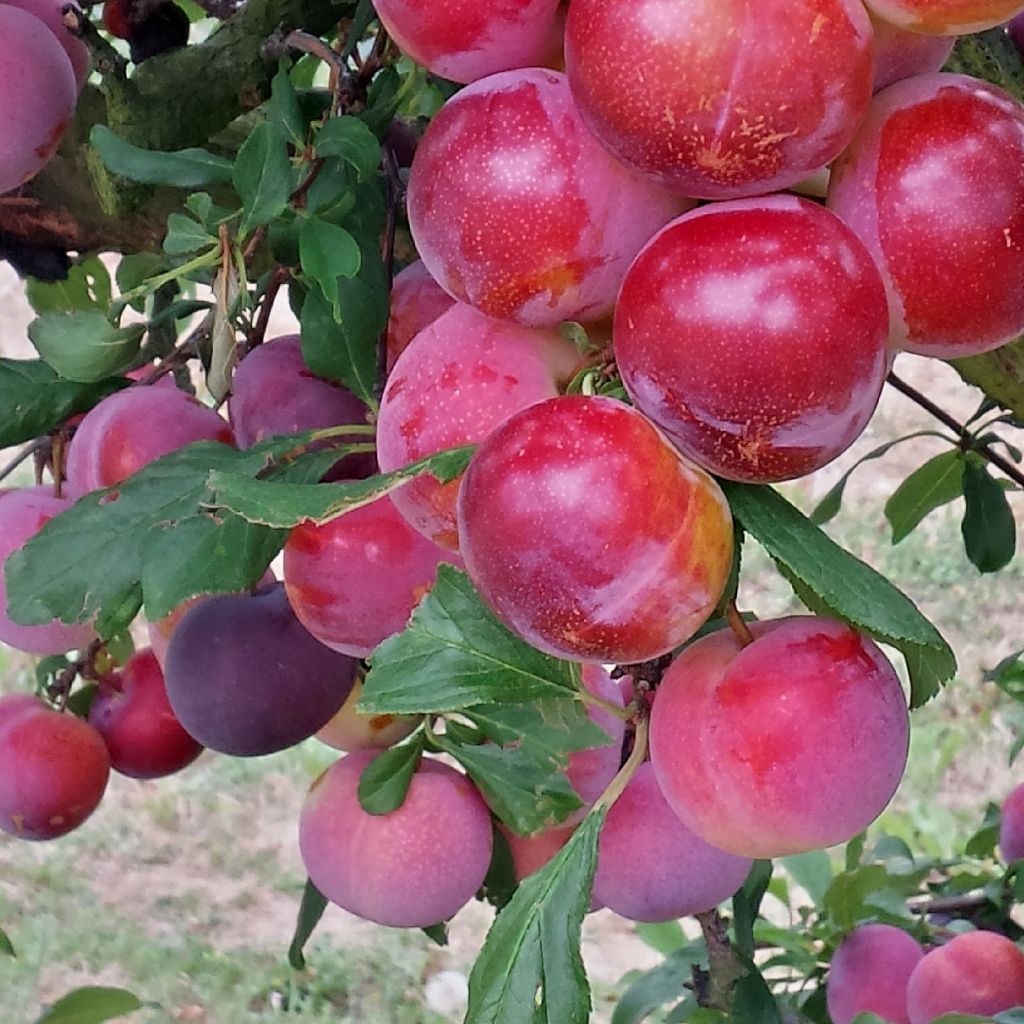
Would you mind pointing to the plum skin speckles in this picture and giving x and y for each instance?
(754, 333)
(746, 118)
(590, 536)
(517, 211)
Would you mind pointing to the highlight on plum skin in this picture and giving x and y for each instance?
(517, 211)
(350, 730)
(51, 14)
(39, 92)
(355, 581)
(870, 972)
(132, 428)
(1011, 830)
(900, 54)
(754, 333)
(275, 393)
(743, 740)
(589, 536)
(23, 513)
(945, 17)
(463, 40)
(245, 678)
(974, 973)
(417, 300)
(140, 729)
(459, 379)
(412, 868)
(741, 121)
(933, 184)
(53, 770)
(651, 867)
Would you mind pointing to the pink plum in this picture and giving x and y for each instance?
(974, 973)
(870, 972)
(794, 743)
(459, 379)
(651, 867)
(414, 867)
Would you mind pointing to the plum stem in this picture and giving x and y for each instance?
(628, 770)
(738, 625)
(967, 441)
(592, 700)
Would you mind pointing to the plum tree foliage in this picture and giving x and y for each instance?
(565, 316)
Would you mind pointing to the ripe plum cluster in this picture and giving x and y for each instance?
(752, 330)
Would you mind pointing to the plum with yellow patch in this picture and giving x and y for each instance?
(517, 211)
(945, 17)
(351, 730)
(793, 743)
(590, 536)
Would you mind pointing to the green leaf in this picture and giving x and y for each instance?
(664, 938)
(660, 986)
(286, 505)
(847, 896)
(137, 267)
(938, 482)
(6, 949)
(34, 400)
(284, 110)
(327, 253)
(437, 933)
(989, 530)
(752, 1000)
(311, 909)
(525, 794)
(500, 884)
(549, 730)
(812, 871)
(83, 346)
(530, 969)
(385, 780)
(185, 168)
(186, 236)
(263, 176)
(455, 654)
(91, 1005)
(87, 286)
(746, 905)
(350, 139)
(831, 581)
(157, 540)
(345, 349)
(829, 506)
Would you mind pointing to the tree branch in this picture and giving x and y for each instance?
(968, 442)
